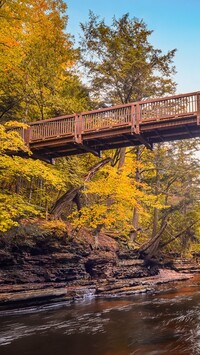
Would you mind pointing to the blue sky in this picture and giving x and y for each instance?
(176, 24)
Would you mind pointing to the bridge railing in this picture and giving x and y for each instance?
(55, 127)
(103, 119)
(107, 118)
(174, 106)
(19, 130)
(23, 132)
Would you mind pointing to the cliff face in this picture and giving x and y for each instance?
(48, 258)
(38, 266)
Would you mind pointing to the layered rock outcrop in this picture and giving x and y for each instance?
(39, 265)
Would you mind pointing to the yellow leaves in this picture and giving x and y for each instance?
(113, 194)
(16, 124)
(117, 185)
(111, 198)
(28, 173)
(26, 168)
(57, 226)
(36, 52)
(90, 216)
(11, 140)
(10, 27)
(13, 167)
(42, 5)
(22, 179)
(13, 207)
(10, 42)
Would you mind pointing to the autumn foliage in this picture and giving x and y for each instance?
(149, 198)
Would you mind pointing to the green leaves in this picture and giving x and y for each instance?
(122, 64)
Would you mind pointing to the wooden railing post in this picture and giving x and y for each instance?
(133, 119)
(26, 135)
(198, 108)
(78, 128)
(137, 118)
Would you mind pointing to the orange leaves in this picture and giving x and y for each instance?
(9, 42)
(36, 53)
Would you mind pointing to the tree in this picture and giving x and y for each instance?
(37, 81)
(173, 173)
(122, 64)
(73, 193)
(26, 185)
(36, 62)
(110, 198)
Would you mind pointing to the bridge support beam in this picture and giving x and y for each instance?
(144, 141)
(87, 149)
(43, 158)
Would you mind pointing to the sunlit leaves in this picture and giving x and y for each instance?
(111, 197)
(26, 185)
(10, 140)
(13, 207)
(36, 60)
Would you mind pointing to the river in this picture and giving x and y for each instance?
(166, 322)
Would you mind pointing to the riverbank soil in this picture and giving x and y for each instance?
(39, 266)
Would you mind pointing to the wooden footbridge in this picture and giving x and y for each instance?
(145, 122)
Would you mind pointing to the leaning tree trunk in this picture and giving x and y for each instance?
(135, 220)
(122, 157)
(71, 194)
(150, 248)
(178, 235)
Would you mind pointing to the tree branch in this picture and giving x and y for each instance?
(177, 235)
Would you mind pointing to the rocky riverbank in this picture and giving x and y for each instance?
(40, 266)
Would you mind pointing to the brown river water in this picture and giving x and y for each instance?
(165, 322)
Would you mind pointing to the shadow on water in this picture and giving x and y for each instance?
(167, 322)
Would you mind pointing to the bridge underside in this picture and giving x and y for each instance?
(95, 141)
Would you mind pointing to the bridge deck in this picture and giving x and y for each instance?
(146, 122)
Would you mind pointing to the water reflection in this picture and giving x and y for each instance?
(164, 323)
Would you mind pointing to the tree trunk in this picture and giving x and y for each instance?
(177, 235)
(77, 201)
(134, 232)
(122, 157)
(155, 212)
(71, 194)
(150, 248)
